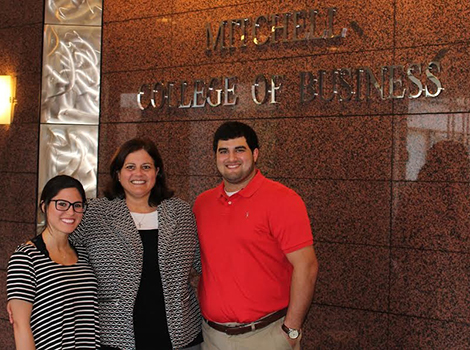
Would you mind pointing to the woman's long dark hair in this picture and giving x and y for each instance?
(115, 190)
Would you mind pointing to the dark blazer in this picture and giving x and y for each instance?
(115, 251)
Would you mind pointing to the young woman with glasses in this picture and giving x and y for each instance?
(52, 290)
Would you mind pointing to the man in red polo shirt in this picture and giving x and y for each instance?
(258, 263)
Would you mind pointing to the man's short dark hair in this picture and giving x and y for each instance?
(233, 130)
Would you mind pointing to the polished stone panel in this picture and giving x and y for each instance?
(189, 187)
(6, 329)
(453, 77)
(195, 5)
(14, 13)
(430, 284)
(418, 333)
(18, 148)
(346, 211)
(334, 328)
(432, 147)
(6, 340)
(335, 148)
(330, 148)
(28, 89)
(135, 9)
(13, 234)
(432, 216)
(429, 22)
(140, 44)
(352, 276)
(18, 192)
(21, 55)
(3, 296)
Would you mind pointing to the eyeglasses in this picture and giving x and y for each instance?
(63, 205)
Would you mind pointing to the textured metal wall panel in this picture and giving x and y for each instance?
(71, 75)
(83, 12)
(70, 93)
(70, 150)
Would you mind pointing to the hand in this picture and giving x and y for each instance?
(10, 313)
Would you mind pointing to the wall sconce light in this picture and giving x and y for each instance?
(7, 98)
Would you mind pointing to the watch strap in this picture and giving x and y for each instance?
(291, 332)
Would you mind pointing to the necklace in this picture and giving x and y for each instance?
(145, 221)
(139, 223)
(139, 219)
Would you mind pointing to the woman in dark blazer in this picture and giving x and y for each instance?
(142, 244)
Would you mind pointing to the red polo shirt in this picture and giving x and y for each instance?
(244, 239)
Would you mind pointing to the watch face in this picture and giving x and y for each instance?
(293, 333)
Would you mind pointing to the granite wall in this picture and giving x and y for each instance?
(385, 177)
(20, 55)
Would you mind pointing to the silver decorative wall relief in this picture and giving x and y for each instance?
(83, 12)
(70, 150)
(70, 92)
(71, 75)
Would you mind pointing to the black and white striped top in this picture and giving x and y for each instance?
(64, 298)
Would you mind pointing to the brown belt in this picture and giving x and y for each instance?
(245, 328)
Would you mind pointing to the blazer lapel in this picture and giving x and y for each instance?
(125, 229)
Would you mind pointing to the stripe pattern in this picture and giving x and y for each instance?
(64, 298)
(114, 246)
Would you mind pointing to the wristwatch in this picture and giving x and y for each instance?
(291, 332)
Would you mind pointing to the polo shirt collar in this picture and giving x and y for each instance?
(250, 189)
